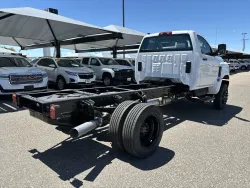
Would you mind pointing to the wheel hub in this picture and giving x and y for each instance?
(144, 129)
(148, 131)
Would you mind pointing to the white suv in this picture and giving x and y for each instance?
(65, 71)
(234, 64)
(108, 70)
(244, 65)
(17, 74)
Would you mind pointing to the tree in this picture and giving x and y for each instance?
(10, 48)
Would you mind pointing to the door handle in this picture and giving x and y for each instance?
(204, 59)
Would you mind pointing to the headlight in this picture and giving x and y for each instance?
(4, 76)
(114, 69)
(71, 73)
(44, 74)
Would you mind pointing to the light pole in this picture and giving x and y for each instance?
(123, 23)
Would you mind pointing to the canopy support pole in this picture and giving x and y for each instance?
(22, 48)
(57, 44)
(114, 49)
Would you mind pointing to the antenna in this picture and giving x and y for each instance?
(244, 41)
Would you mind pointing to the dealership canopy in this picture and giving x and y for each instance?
(129, 37)
(32, 28)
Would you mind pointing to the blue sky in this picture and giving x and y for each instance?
(229, 17)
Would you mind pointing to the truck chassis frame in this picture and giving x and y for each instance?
(125, 108)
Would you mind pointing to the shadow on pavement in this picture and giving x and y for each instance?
(6, 105)
(183, 110)
(72, 157)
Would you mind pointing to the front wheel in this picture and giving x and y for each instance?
(243, 68)
(107, 80)
(221, 98)
(60, 83)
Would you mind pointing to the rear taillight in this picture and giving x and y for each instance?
(52, 111)
(14, 98)
(165, 33)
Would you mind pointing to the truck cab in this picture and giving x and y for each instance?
(182, 57)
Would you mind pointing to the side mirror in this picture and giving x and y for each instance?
(222, 48)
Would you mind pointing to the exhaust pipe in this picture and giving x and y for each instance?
(84, 128)
(160, 101)
(88, 126)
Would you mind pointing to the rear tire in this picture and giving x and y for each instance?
(143, 129)
(221, 97)
(117, 121)
(60, 83)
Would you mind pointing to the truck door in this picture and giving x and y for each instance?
(209, 66)
(95, 65)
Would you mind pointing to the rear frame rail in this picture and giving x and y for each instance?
(72, 105)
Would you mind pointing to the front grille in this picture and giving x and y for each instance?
(85, 76)
(26, 79)
(126, 73)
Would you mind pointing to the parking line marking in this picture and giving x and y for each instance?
(10, 106)
(3, 109)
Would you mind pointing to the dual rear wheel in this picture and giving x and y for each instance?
(136, 128)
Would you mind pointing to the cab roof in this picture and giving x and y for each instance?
(171, 32)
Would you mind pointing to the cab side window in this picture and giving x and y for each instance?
(85, 61)
(205, 47)
(49, 63)
(94, 62)
(41, 63)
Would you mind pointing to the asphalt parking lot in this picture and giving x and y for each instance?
(201, 147)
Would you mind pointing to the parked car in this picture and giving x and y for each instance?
(126, 62)
(244, 64)
(248, 62)
(234, 65)
(108, 70)
(17, 74)
(66, 71)
(132, 61)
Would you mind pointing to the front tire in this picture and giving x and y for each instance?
(107, 80)
(221, 98)
(60, 83)
(243, 68)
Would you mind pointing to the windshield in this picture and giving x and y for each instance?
(78, 60)
(123, 62)
(67, 63)
(133, 62)
(14, 62)
(180, 42)
(108, 61)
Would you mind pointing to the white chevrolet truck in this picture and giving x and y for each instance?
(186, 58)
(169, 66)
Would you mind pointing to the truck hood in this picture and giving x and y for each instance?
(120, 67)
(20, 70)
(77, 69)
